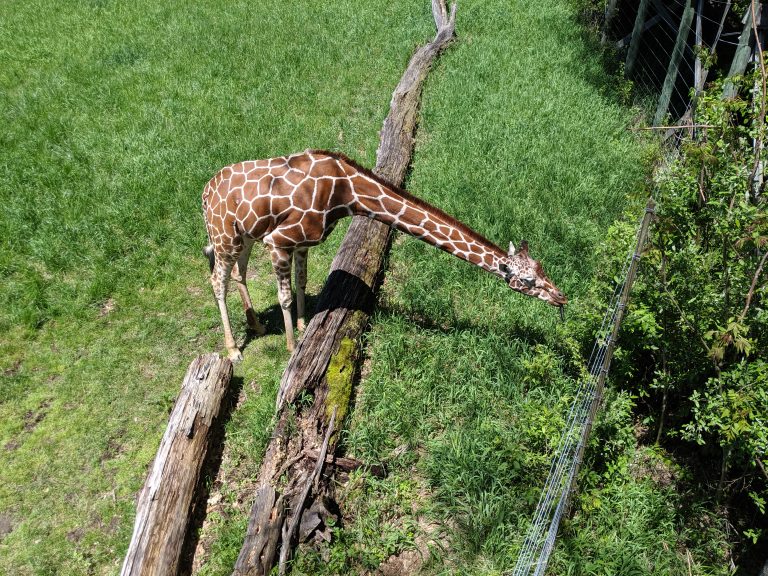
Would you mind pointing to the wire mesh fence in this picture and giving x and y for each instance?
(672, 48)
(540, 539)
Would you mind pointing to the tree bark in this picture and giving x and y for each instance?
(674, 63)
(316, 387)
(637, 32)
(165, 502)
(743, 55)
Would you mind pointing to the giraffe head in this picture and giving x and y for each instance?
(524, 274)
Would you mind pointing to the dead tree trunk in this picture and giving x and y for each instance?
(674, 64)
(294, 496)
(165, 503)
(743, 55)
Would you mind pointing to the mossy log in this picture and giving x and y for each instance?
(315, 391)
(165, 503)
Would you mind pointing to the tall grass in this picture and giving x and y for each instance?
(521, 136)
(115, 114)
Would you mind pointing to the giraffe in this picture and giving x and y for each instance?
(293, 202)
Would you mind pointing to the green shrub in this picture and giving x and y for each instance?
(696, 333)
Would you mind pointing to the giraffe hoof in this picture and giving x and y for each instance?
(235, 356)
(257, 328)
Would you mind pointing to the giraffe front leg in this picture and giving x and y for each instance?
(300, 257)
(281, 262)
(220, 281)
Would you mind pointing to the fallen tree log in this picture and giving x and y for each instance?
(165, 502)
(316, 387)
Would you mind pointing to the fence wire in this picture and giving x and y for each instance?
(540, 539)
(656, 33)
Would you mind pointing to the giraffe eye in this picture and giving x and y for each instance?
(529, 282)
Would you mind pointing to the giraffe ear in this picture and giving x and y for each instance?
(524, 248)
(511, 249)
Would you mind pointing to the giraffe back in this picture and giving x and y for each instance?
(295, 200)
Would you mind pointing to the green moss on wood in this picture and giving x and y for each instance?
(341, 370)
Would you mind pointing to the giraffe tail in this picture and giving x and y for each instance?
(211, 255)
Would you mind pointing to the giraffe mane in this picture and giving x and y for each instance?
(407, 195)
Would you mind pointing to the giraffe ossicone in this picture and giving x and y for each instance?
(293, 202)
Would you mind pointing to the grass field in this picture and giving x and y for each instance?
(521, 138)
(115, 115)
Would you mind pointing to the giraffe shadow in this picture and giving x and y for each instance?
(524, 332)
(272, 319)
(345, 290)
(342, 290)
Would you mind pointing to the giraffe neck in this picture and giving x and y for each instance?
(376, 199)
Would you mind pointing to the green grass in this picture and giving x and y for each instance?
(520, 137)
(114, 116)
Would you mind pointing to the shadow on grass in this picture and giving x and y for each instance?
(529, 333)
(342, 290)
(352, 293)
(210, 470)
(272, 319)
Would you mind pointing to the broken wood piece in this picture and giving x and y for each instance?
(674, 63)
(165, 502)
(348, 464)
(289, 531)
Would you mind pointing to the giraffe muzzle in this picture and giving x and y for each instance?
(557, 298)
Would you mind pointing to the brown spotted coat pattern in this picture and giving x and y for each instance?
(293, 202)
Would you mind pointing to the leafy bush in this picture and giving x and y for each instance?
(696, 334)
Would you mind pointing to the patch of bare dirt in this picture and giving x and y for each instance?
(429, 535)
(409, 562)
(112, 526)
(252, 388)
(237, 479)
(6, 526)
(647, 464)
(108, 307)
(33, 418)
(75, 535)
(147, 372)
(13, 369)
(114, 447)
(12, 445)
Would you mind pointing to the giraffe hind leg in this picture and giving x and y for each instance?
(281, 262)
(300, 264)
